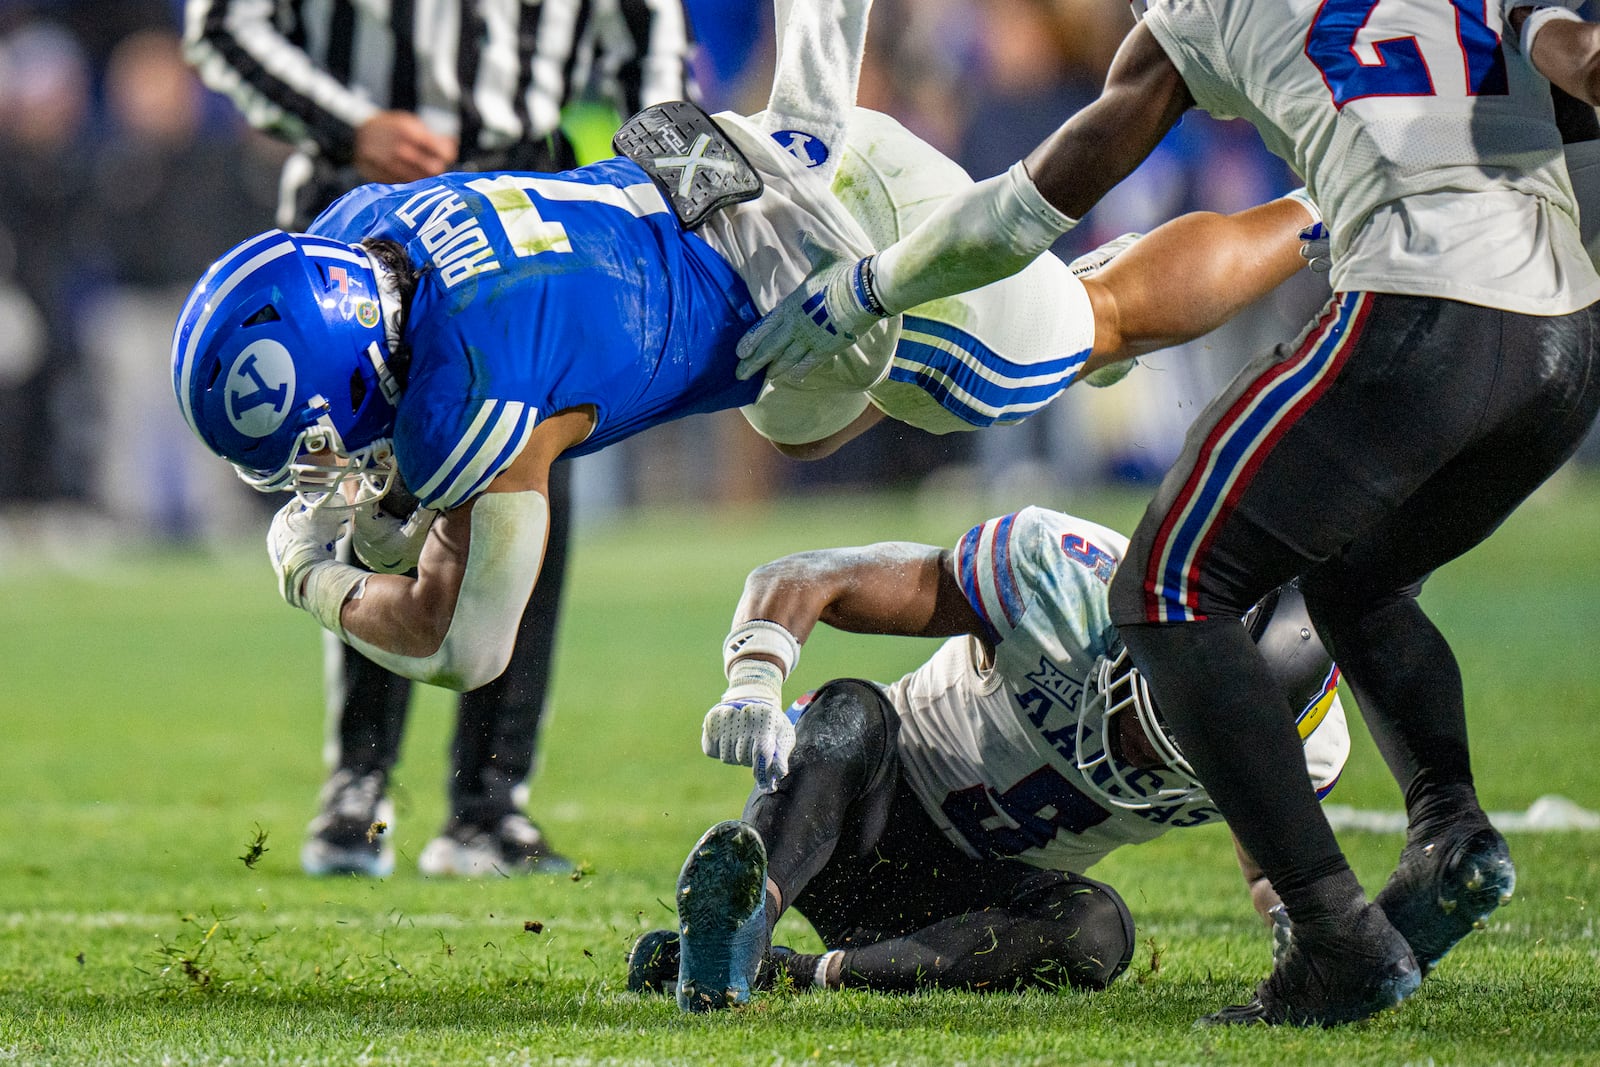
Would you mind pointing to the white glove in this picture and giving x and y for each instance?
(748, 726)
(299, 539)
(822, 317)
(1282, 931)
(750, 733)
(388, 544)
(301, 544)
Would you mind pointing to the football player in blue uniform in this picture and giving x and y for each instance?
(936, 831)
(468, 331)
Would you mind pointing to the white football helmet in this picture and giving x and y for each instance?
(1299, 662)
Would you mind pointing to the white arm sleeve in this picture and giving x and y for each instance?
(503, 559)
(983, 233)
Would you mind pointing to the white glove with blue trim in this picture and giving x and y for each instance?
(749, 726)
(301, 544)
(824, 315)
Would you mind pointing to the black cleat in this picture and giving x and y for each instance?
(1446, 885)
(1367, 970)
(653, 963)
(353, 831)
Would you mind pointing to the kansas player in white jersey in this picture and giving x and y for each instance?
(468, 331)
(935, 831)
(1453, 372)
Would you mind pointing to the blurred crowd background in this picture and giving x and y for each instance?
(121, 178)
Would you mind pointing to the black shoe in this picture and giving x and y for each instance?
(1446, 885)
(352, 831)
(653, 963)
(1364, 971)
(510, 845)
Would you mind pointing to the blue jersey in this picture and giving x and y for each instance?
(542, 292)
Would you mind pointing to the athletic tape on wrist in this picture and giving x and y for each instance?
(1539, 20)
(760, 636)
(755, 679)
(326, 587)
(819, 977)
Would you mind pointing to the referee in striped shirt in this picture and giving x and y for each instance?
(394, 91)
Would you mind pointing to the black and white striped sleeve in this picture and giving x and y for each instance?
(239, 50)
(644, 48)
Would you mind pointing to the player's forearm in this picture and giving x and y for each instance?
(1568, 53)
(455, 625)
(1187, 277)
(1143, 98)
(889, 588)
(1262, 896)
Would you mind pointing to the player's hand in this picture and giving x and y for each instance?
(1316, 247)
(750, 732)
(396, 146)
(386, 543)
(825, 315)
(298, 540)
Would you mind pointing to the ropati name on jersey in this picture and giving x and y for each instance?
(447, 228)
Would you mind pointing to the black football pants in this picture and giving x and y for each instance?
(850, 846)
(1397, 433)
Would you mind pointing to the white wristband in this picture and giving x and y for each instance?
(326, 587)
(764, 637)
(1538, 21)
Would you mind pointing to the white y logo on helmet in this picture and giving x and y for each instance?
(259, 387)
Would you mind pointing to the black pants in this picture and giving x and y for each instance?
(1395, 435)
(852, 848)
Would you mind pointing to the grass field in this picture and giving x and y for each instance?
(161, 710)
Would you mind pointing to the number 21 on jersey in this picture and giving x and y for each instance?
(1357, 62)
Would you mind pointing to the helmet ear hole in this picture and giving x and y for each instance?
(266, 314)
(211, 379)
(358, 391)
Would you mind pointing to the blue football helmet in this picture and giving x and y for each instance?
(1295, 655)
(280, 364)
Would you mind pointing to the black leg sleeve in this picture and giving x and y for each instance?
(839, 789)
(1215, 692)
(497, 725)
(1393, 657)
(1056, 930)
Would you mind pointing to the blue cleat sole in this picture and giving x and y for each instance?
(722, 921)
